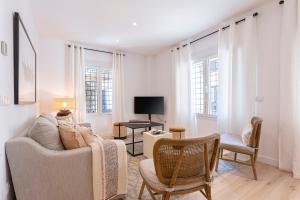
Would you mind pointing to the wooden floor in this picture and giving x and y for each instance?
(237, 184)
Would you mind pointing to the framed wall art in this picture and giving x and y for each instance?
(24, 64)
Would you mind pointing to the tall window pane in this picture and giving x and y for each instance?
(198, 86)
(213, 67)
(91, 90)
(106, 91)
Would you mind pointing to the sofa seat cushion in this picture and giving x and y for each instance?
(148, 173)
(46, 134)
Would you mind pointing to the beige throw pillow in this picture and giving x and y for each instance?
(71, 138)
(246, 134)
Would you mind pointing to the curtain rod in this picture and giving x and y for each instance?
(223, 28)
(88, 49)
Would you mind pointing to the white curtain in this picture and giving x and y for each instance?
(237, 75)
(289, 119)
(77, 68)
(118, 88)
(182, 105)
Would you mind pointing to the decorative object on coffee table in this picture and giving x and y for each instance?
(24, 64)
(178, 132)
(63, 105)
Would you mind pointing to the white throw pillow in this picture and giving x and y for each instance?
(246, 134)
(46, 134)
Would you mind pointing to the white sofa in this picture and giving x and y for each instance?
(39, 173)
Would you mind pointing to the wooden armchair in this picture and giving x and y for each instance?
(234, 144)
(180, 167)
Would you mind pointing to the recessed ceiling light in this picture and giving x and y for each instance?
(117, 41)
(134, 24)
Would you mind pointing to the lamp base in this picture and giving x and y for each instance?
(63, 113)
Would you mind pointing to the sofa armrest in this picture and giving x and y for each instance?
(40, 173)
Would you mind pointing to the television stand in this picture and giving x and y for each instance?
(149, 117)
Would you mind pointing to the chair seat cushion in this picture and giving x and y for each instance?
(148, 173)
(234, 143)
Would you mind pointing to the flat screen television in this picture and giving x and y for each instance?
(149, 105)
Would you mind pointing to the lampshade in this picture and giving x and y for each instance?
(63, 103)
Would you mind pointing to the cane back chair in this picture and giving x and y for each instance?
(180, 166)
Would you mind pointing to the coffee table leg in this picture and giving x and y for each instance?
(133, 142)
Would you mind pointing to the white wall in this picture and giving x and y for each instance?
(52, 72)
(268, 81)
(53, 81)
(14, 119)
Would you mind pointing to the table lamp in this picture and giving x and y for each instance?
(63, 105)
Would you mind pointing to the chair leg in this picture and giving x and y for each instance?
(208, 192)
(150, 192)
(166, 196)
(142, 190)
(253, 166)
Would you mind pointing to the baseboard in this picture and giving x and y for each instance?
(296, 176)
(268, 160)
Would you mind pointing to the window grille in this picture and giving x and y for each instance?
(205, 82)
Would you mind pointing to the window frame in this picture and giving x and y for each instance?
(99, 70)
(206, 85)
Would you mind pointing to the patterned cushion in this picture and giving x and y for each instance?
(147, 171)
(234, 143)
(46, 133)
(65, 120)
(87, 134)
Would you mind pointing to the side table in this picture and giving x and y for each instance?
(149, 141)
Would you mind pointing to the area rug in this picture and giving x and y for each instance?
(135, 180)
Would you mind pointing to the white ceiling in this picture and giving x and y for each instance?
(160, 23)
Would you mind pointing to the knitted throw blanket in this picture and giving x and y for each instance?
(109, 168)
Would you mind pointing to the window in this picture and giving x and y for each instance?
(91, 90)
(198, 83)
(213, 79)
(106, 91)
(205, 86)
(98, 86)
